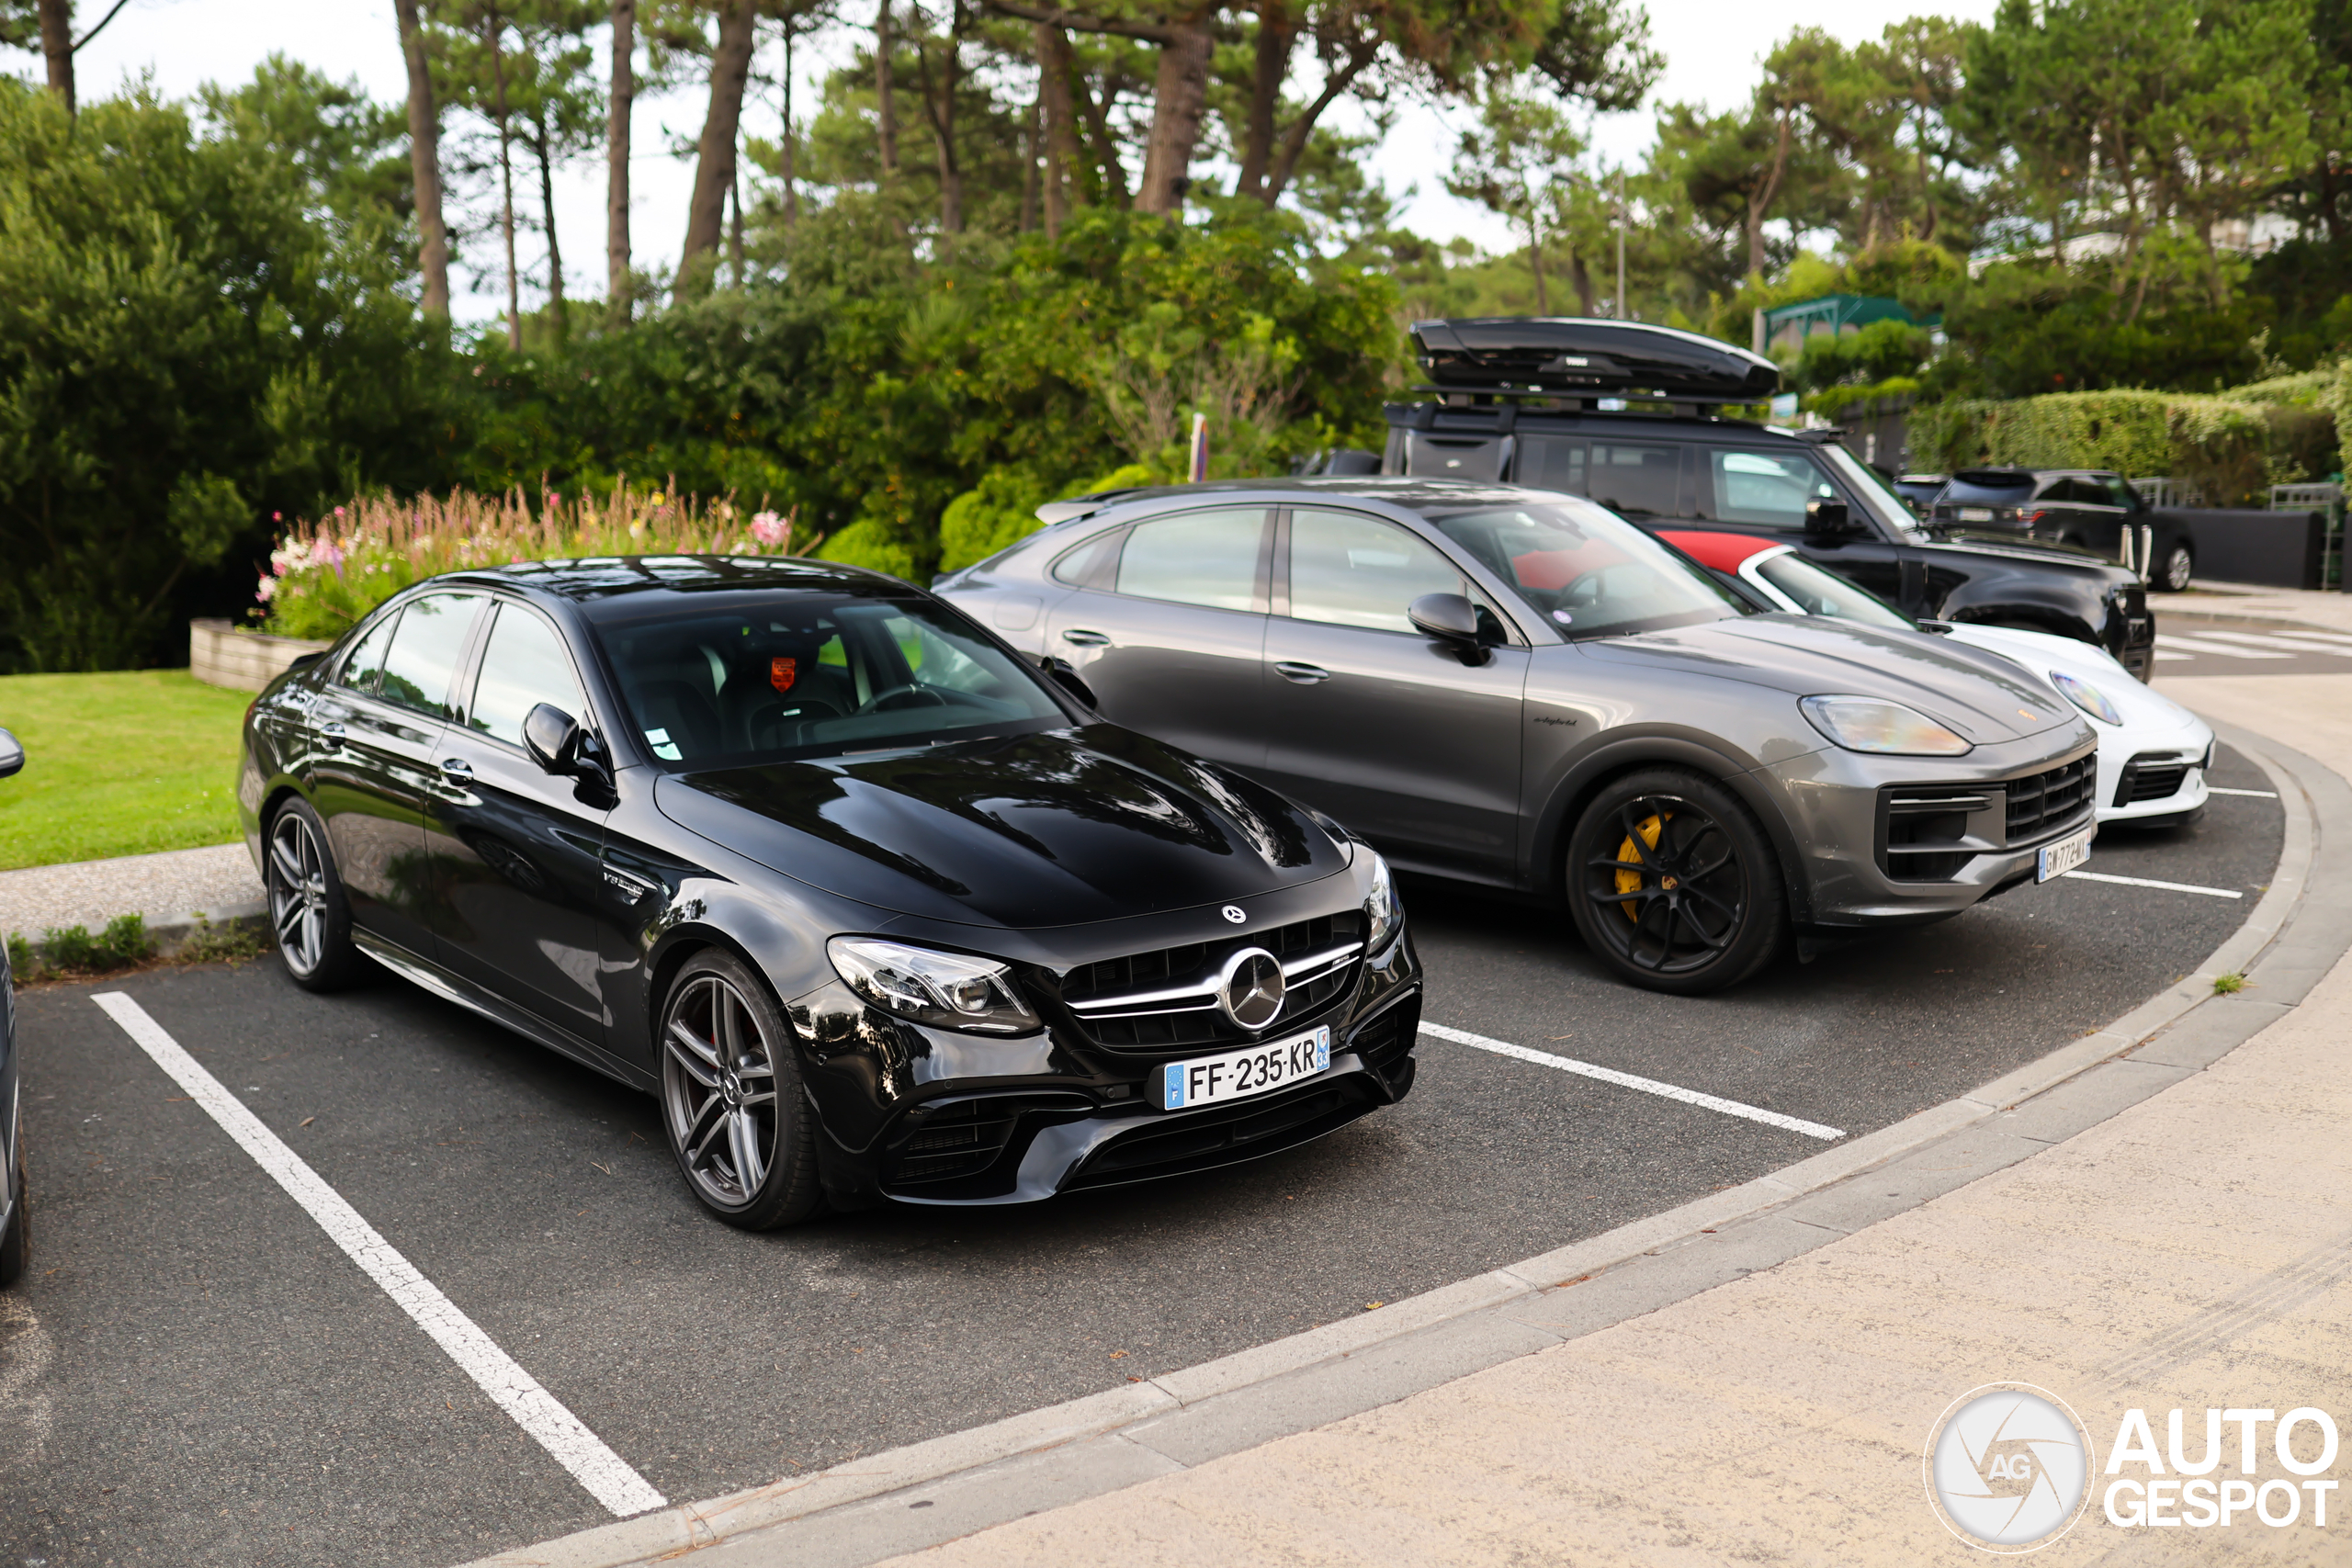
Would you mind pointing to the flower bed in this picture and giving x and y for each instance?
(325, 575)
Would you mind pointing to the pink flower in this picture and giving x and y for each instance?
(268, 591)
(338, 512)
(769, 529)
(278, 517)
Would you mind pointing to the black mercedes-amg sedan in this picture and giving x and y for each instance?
(877, 909)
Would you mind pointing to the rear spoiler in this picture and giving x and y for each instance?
(1078, 506)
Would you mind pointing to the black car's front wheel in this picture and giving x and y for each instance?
(732, 1102)
(1673, 883)
(308, 912)
(2177, 569)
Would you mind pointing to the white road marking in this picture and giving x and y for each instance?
(1628, 1080)
(2273, 639)
(2250, 794)
(2161, 654)
(2144, 882)
(2225, 651)
(605, 1474)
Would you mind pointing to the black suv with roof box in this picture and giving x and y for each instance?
(1630, 415)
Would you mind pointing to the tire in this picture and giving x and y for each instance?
(722, 1038)
(2178, 571)
(16, 1244)
(310, 917)
(1674, 884)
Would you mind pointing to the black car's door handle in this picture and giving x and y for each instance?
(1086, 638)
(456, 770)
(1304, 674)
(331, 735)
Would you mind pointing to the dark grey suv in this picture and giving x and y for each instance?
(1522, 691)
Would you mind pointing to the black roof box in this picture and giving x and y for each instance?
(1577, 354)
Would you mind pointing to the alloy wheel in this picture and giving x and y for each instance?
(2180, 568)
(1675, 883)
(297, 893)
(718, 1091)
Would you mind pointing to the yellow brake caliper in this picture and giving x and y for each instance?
(1631, 881)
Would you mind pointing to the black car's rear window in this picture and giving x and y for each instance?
(1988, 489)
(744, 678)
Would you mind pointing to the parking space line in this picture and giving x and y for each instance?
(2144, 882)
(2273, 639)
(607, 1476)
(2166, 639)
(1628, 1080)
(2249, 793)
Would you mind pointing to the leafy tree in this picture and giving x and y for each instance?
(185, 348)
(1505, 165)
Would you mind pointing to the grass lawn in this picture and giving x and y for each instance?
(122, 763)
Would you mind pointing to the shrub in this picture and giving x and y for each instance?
(72, 950)
(2231, 450)
(324, 576)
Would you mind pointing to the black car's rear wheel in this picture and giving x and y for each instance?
(732, 1101)
(308, 912)
(1674, 884)
(2177, 569)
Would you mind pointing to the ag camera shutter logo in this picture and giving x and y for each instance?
(2008, 1468)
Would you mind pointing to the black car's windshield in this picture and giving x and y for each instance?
(778, 676)
(1585, 570)
(1821, 593)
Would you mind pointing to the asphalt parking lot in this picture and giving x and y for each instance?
(195, 1375)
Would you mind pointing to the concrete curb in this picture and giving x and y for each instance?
(863, 1511)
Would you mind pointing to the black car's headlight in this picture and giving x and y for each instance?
(949, 990)
(1383, 913)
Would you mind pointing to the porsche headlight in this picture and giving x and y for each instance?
(2085, 696)
(948, 990)
(1382, 911)
(1868, 724)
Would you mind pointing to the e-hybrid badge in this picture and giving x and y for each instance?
(1237, 1075)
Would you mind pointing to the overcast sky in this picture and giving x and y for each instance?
(1712, 48)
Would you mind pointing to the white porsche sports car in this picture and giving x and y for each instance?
(2153, 753)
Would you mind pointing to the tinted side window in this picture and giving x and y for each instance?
(1635, 479)
(1354, 571)
(425, 650)
(1767, 487)
(1550, 462)
(523, 665)
(2119, 492)
(1196, 558)
(2065, 489)
(366, 662)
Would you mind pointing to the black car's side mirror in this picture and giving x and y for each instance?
(11, 754)
(1065, 675)
(552, 738)
(1453, 620)
(1827, 519)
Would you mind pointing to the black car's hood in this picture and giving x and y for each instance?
(2020, 547)
(1982, 696)
(1051, 829)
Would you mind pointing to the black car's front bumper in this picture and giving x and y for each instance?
(1017, 1121)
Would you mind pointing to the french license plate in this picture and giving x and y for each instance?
(1238, 1075)
(2058, 859)
(1976, 514)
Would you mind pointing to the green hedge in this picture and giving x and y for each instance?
(2232, 449)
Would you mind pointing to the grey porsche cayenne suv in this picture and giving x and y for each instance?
(1518, 689)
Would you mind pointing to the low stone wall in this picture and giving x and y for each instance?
(221, 655)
